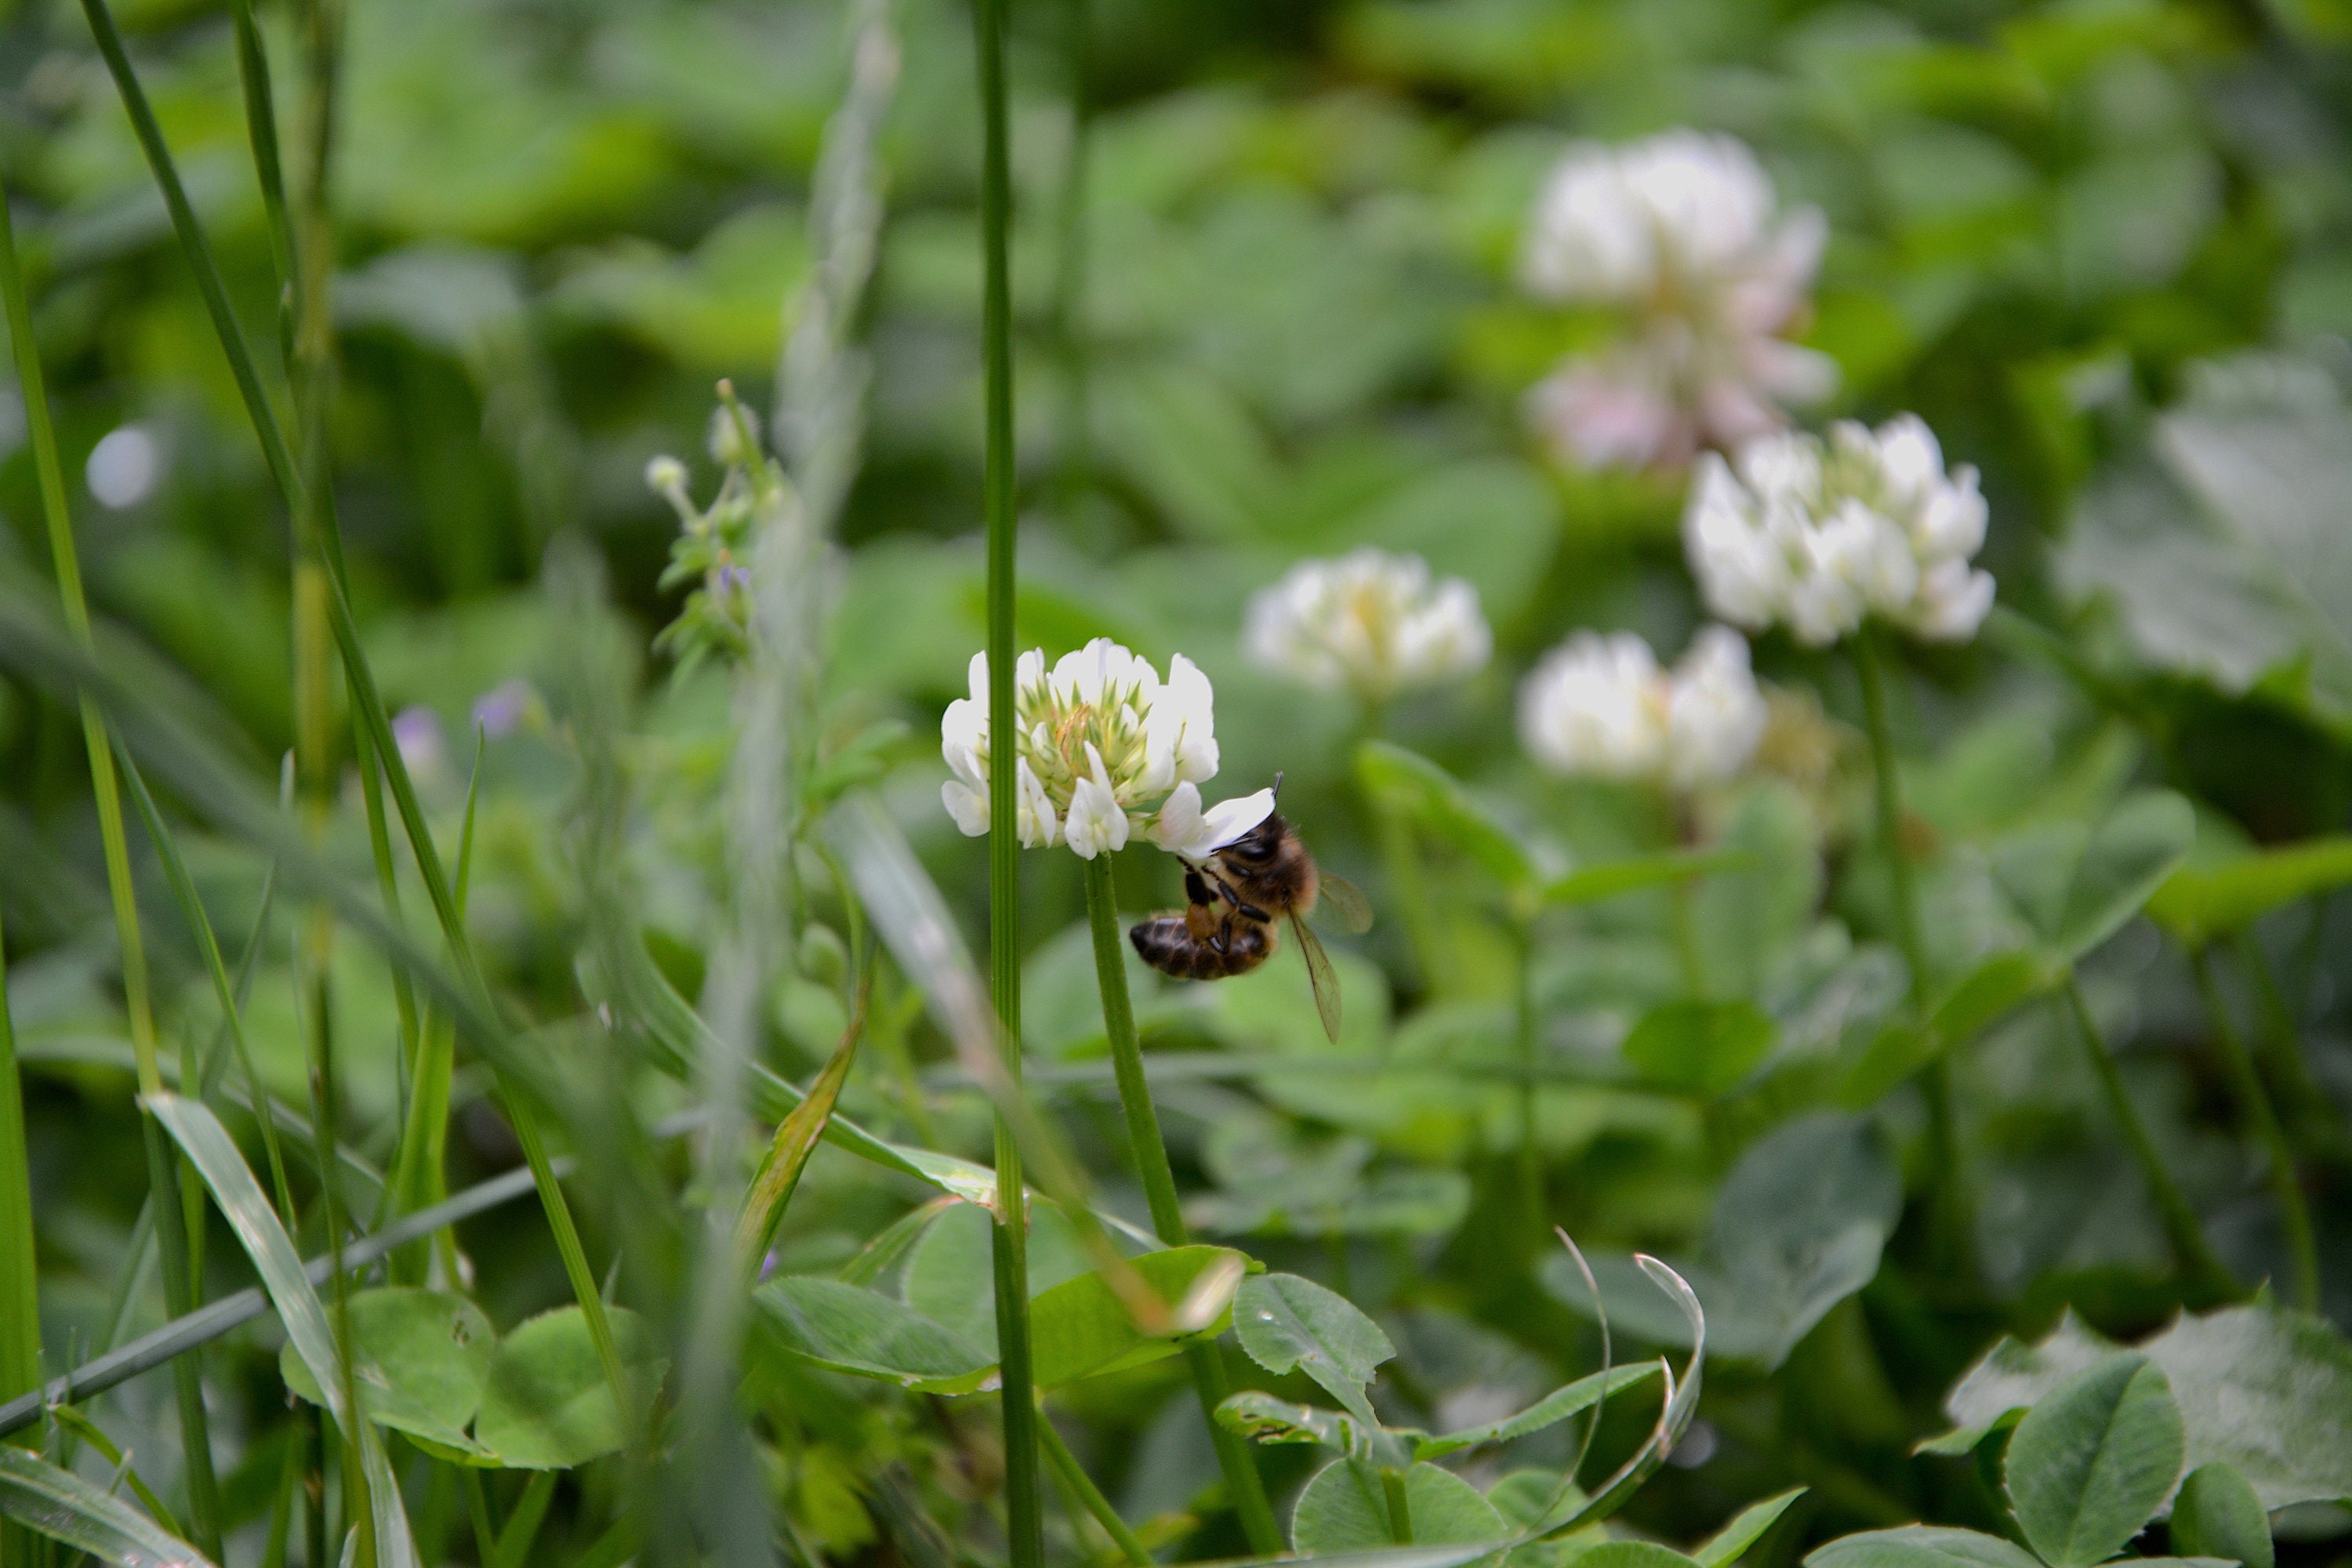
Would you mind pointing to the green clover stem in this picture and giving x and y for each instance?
(2294, 1217)
(1160, 1191)
(2195, 1255)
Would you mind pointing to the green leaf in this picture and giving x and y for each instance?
(1982, 997)
(1287, 1324)
(1572, 1399)
(863, 1331)
(1631, 1554)
(64, 1507)
(2197, 904)
(1921, 1546)
(206, 1143)
(2077, 888)
(2217, 1514)
(1607, 880)
(1410, 784)
(546, 1402)
(2093, 1458)
(2266, 1390)
(949, 1277)
(1267, 1419)
(420, 1357)
(1747, 1527)
(1080, 1329)
(1346, 1508)
(1702, 1048)
(1798, 1226)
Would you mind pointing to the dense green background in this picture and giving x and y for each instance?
(2103, 248)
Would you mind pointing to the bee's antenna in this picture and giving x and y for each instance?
(1277, 786)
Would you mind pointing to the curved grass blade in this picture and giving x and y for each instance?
(796, 1139)
(225, 992)
(1673, 1416)
(206, 1143)
(62, 1506)
(82, 1426)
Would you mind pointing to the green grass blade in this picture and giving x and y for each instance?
(204, 1487)
(261, 133)
(217, 1318)
(82, 1426)
(225, 990)
(796, 1139)
(20, 1306)
(66, 1508)
(206, 1143)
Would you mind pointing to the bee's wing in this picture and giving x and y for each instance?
(1355, 910)
(1320, 975)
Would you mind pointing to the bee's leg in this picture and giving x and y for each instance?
(1248, 911)
(1196, 890)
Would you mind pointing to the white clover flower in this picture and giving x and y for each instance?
(1680, 234)
(1601, 706)
(1818, 535)
(1105, 750)
(1369, 622)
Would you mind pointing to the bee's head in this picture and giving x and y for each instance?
(1260, 843)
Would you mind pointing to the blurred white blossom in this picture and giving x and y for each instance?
(1818, 534)
(1369, 622)
(1683, 236)
(1106, 749)
(1601, 706)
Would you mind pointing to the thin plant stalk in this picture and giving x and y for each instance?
(2314, 1118)
(1070, 274)
(2254, 1102)
(1081, 1486)
(164, 1166)
(20, 1306)
(1160, 1193)
(2199, 1263)
(1950, 1222)
(1531, 1156)
(1008, 1238)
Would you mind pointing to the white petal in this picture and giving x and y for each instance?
(968, 805)
(1180, 818)
(1227, 822)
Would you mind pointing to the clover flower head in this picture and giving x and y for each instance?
(1601, 707)
(1369, 622)
(1105, 750)
(1818, 535)
(1682, 236)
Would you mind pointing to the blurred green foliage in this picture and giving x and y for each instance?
(2104, 246)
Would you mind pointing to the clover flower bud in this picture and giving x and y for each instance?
(666, 477)
(1369, 622)
(1818, 535)
(1601, 707)
(1105, 750)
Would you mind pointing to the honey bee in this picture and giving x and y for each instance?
(1233, 898)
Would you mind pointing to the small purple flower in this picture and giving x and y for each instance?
(734, 579)
(423, 748)
(501, 709)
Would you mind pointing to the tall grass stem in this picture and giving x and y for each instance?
(1025, 1515)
